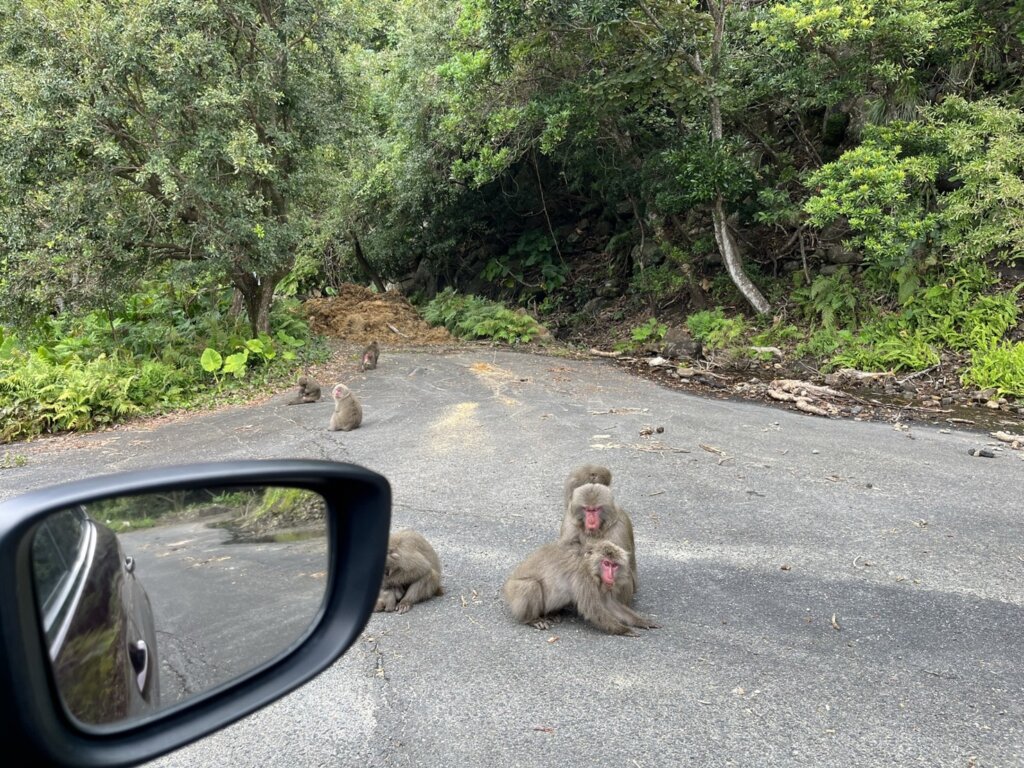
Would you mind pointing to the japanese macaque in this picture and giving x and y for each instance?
(348, 413)
(412, 573)
(309, 392)
(592, 514)
(588, 473)
(594, 577)
(370, 355)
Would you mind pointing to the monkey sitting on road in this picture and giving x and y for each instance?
(412, 572)
(348, 413)
(309, 392)
(592, 514)
(593, 577)
(370, 355)
(588, 473)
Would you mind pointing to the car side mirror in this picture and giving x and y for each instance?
(144, 610)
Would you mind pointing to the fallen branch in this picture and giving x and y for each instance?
(403, 335)
(602, 353)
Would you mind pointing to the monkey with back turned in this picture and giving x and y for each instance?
(582, 475)
(369, 358)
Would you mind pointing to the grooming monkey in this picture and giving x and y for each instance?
(594, 577)
(412, 572)
(309, 392)
(592, 514)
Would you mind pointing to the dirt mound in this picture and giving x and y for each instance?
(359, 315)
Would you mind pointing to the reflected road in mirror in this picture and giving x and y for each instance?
(176, 603)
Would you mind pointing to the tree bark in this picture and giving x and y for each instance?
(364, 264)
(258, 296)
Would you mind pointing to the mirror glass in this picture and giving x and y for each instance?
(147, 601)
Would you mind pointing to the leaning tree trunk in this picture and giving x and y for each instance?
(730, 251)
(727, 245)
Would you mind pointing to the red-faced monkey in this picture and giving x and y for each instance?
(592, 514)
(348, 413)
(412, 572)
(593, 577)
(588, 473)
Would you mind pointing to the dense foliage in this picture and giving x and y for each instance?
(850, 170)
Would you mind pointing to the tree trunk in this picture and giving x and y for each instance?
(364, 264)
(258, 296)
(733, 261)
(727, 246)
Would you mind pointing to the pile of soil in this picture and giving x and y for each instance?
(358, 315)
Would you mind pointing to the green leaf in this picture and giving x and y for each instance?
(211, 360)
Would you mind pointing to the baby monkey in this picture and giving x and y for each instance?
(309, 392)
(412, 573)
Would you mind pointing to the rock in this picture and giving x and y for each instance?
(595, 305)
(983, 395)
(982, 452)
(678, 344)
(657, 362)
(993, 404)
(947, 401)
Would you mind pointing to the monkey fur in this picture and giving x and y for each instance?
(309, 392)
(369, 358)
(412, 572)
(348, 413)
(594, 577)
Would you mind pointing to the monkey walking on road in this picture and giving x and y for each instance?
(348, 413)
(412, 572)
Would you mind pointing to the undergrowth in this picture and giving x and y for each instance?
(81, 373)
(473, 317)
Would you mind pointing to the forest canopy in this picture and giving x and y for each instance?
(844, 165)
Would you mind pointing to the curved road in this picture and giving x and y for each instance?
(830, 592)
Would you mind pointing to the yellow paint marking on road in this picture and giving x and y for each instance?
(459, 430)
(496, 378)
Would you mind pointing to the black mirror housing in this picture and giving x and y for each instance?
(32, 719)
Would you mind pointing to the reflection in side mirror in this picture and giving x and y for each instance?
(149, 600)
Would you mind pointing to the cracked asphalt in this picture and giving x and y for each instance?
(830, 592)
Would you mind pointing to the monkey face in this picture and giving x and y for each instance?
(609, 568)
(593, 517)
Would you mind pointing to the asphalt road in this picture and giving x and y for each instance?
(211, 599)
(830, 592)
